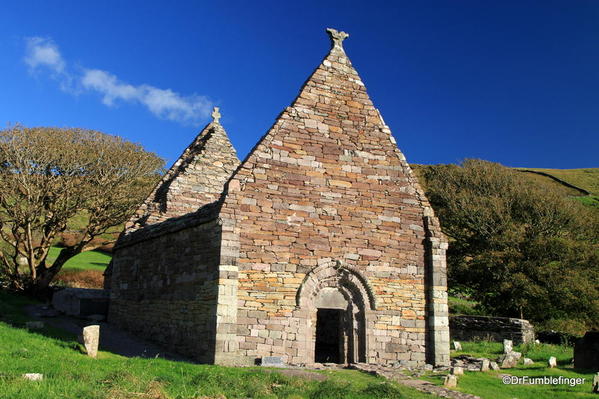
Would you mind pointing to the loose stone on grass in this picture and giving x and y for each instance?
(528, 362)
(508, 345)
(34, 325)
(457, 371)
(457, 346)
(33, 376)
(552, 362)
(494, 366)
(509, 360)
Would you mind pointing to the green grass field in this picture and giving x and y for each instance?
(490, 384)
(90, 260)
(68, 373)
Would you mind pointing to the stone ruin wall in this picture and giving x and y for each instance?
(327, 186)
(469, 328)
(164, 288)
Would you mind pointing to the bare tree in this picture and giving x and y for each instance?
(47, 176)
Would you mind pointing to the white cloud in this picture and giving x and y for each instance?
(43, 52)
(164, 103)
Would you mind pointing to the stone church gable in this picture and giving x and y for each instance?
(319, 247)
(328, 185)
(195, 179)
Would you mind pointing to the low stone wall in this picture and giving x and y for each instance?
(468, 328)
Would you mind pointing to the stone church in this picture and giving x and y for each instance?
(319, 247)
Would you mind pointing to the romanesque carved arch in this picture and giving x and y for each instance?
(351, 283)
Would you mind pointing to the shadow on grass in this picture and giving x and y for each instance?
(12, 312)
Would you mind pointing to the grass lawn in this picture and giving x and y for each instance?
(70, 374)
(90, 260)
(490, 384)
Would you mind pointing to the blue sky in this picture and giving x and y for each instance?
(515, 82)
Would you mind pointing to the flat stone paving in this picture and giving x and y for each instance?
(397, 375)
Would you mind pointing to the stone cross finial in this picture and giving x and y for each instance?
(216, 115)
(337, 38)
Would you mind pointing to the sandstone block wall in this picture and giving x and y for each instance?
(468, 328)
(165, 288)
(328, 193)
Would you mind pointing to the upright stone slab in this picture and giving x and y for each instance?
(586, 351)
(508, 346)
(91, 340)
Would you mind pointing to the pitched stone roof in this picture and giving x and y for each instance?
(195, 179)
(333, 128)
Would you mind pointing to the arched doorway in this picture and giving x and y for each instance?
(335, 302)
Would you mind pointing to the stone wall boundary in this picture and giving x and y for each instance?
(468, 328)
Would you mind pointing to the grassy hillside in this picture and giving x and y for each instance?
(570, 182)
(68, 373)
(587, 179)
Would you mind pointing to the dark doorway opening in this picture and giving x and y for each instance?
(329, 336)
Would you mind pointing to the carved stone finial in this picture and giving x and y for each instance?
(337, 38)
(216, 115)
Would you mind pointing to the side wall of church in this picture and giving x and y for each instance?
(165, 288)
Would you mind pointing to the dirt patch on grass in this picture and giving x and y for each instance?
(81, 278)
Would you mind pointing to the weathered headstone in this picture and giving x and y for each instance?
(494, 366)
(450, 381)
(508, 345)
(596, 383)
(509, 360)
(457, 346)
(552, 362)
(272, 361)
(586, 351)
(91, 339)
(34, 325)
(528, 362)
(457, 371)
(484, 365)
(33, 376)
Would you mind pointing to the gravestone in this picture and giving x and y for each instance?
(457, 346)
(484, 366)
(457, 371)
(586, 351)
(508, 345)
(552, 362)
(450, 381)
(91, 340)
(596, 383)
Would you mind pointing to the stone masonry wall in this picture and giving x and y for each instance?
(469, 328)
(195, 179)
(165, 286)
(327, 193)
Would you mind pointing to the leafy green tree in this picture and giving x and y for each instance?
(49, 175)
(520, 248)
